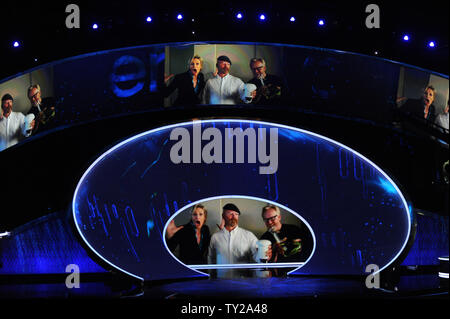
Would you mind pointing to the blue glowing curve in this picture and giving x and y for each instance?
(389, 188)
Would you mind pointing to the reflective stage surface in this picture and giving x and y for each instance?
(416, 286)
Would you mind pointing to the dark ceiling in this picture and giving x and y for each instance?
(39, 27)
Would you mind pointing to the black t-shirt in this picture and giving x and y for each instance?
(416, 108)
(270, 93)
(46, 118)
(187, 94)
(191, 253)
(292, 232)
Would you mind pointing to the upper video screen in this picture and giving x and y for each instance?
(155, 77)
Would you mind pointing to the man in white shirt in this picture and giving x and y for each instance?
(225, 88)
(13, 125)
(442, 119)
(232, 244)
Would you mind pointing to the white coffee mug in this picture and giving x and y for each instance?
(263, 247)
(28, 119)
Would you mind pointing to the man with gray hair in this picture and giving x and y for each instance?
(42, 108)
(290, 243)
(268, 86)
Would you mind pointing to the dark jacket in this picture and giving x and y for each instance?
(415, 107)
(187, 95)
(191, 253)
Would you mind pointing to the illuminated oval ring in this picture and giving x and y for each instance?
(104, 155)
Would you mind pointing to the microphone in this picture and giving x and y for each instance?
(262, 81)
(38, 105)
(277, 239)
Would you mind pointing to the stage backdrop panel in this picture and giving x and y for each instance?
(125, 199)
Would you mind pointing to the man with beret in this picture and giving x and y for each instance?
(225, 88)
(13, 125)
(232, 244)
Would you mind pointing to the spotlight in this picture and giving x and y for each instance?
(239, 15)
(292, 19)
(406, 37)
(431, 44)
(95, 26)
(180, 17)
(262, 17)
(321, 22)
(149, 19)
(16, 44)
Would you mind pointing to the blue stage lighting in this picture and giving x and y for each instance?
(321, 22)
(239, 15)
(95, 26)
(292, 19)
(262, 17)
(406, 37)
(180, 17)
(149, 19)
(431, 44)
(16, 44)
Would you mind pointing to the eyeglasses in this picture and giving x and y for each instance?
(35, 94)
(258, 68)
(271, 219)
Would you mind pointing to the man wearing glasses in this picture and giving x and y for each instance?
(268, 86)
(225, 88)
(290, 243)
(42, 108)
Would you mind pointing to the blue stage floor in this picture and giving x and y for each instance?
(409, 286)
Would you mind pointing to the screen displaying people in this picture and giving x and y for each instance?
(239, 234)
(247, 75)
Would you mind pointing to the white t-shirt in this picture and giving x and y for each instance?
(12, 130)
(442, 120)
